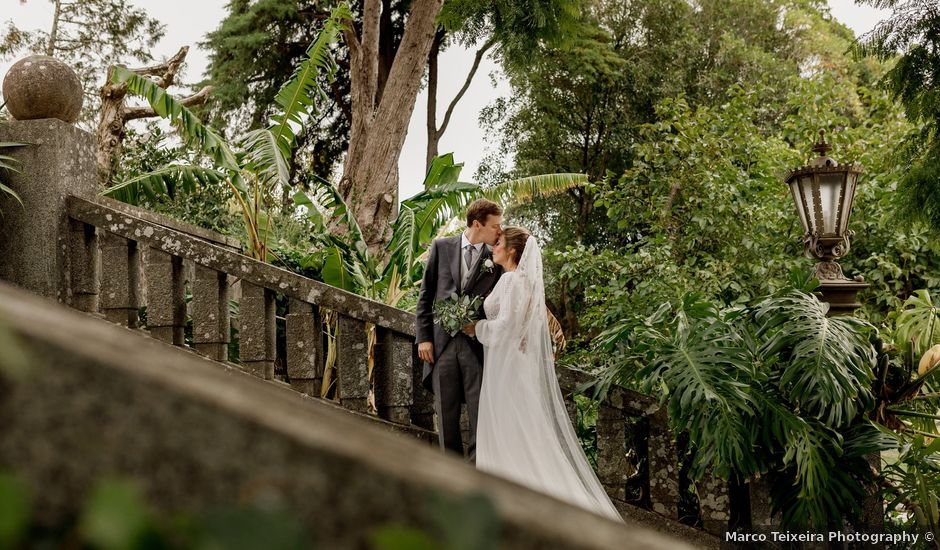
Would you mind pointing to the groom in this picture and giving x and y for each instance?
(453, 365)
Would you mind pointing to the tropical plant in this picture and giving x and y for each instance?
(776, 389)
(907, 390)
(911, 484)
(256, 167)
(9, 164)
(345, 260)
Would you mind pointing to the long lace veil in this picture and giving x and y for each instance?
(538, 354)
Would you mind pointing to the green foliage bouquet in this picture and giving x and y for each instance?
(455, 312)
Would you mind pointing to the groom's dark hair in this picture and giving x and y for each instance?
(481, 209)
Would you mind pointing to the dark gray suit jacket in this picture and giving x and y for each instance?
(441, 279)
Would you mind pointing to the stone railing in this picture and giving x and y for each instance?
(144, 264)
(109, 259)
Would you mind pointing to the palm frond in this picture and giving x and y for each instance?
(829, 360)
(165, 182)
(557, 333)
(267, 158)
(9, 164)
(522, 190)
(344, 268)
(421, 217)
(828, 485)
(437, 205)
(299, 96)
(919, 322)
(443, 170)
(326, 197)
(192, 129)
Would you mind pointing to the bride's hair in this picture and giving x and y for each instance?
(514, 238)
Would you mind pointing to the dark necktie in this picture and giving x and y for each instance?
(469, 256)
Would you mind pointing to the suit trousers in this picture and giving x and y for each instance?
(457, 376)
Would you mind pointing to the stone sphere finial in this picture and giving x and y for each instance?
(40, 86)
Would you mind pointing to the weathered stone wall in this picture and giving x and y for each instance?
(104, 400)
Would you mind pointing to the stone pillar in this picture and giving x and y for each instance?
(210, 313)
(59, 161)
(422, 407)
(258, 330)
(120, 279)
(714, 503)
(663, 466)
(762, 517)
(44, 96)
(393, 376)
(611, 447)
(305, 353)
(352, 364)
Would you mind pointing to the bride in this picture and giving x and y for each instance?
(523, 431)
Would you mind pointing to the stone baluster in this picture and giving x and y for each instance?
(394, 374)
(258, 330)
(422, 407)
(714, 504)
(762, 519)
(210, 313)
(611, 448)
(663, 466)
(84, 264)
(305, 354)
(166, 299)
(120, 280)
(873, 517)
(352, 364)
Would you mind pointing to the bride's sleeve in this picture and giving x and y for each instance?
(508, 323)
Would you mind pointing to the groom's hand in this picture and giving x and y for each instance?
(426, 352)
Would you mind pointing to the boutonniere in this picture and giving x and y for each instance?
(487, 266)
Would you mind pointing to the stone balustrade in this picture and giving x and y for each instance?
(113, 260)
(140, 258)
(120, 263)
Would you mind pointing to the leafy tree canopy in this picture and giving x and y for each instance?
(912, 36)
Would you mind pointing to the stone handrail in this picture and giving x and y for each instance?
(647, 477)
(626, 420)
(142, 263)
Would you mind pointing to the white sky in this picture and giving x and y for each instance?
(188, 21)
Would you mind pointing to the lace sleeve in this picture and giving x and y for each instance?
(509, 322)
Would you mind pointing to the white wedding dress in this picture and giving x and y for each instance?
(523, 432)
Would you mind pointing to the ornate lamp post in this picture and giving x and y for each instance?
(823, 193)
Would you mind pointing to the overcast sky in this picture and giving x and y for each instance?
(188, 21)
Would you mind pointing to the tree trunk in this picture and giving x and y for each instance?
(380, 122)
(54, 33)
(433, 137)
(115, 115)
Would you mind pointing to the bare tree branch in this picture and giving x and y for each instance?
(199, 98)
(473, 71)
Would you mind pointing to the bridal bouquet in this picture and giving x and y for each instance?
(453, 313)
